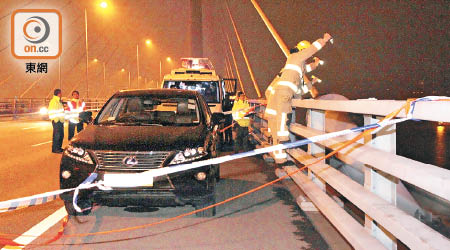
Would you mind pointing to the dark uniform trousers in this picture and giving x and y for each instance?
(241, 140)
(228, 135)
(58, 135)
(72, 127)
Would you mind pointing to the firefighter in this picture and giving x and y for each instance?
(75, 107)
(289, 83)
(242, 125)
(56, 115)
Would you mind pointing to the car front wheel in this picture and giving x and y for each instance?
(208, 212)
(210, 200)
(85, 205)
(217, 172)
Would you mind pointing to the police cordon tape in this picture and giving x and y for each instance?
(38, 199)
(87, 184)
(347, 143)
(10, 205)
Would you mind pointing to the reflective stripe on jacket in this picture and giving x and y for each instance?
(292, 74)
(75, 107)
(239, 110)
(56, 109)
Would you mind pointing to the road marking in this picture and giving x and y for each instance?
(39, 144)
(28, 128)
(38, 229)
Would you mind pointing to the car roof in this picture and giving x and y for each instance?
(157, 92)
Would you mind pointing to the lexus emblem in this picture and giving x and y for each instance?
(130, 161)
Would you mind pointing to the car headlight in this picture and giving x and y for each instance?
(43, 111)
(78, 154)
(188, 154)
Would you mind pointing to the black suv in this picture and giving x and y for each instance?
(139, 130)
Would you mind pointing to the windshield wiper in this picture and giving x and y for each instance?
(128, 123)
(139, 123)
(107, 122)
(150, 124)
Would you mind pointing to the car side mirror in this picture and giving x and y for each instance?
(217, 118)
(86, 116)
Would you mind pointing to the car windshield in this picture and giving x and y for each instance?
(150, 111)
(209, 89)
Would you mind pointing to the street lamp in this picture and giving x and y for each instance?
(169, 60)
(129, 80)
(137, 63)
(104, 73)
(103, 5)
(148, 42)
(87, 54)
(129, 77)
(59, 72)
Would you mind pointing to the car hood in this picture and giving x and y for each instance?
(140, 138)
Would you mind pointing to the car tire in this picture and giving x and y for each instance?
(208, 212)
(217, 172)
(82, 204)
(208, 201)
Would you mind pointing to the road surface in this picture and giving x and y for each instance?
(267, 219)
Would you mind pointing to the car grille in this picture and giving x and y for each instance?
(114, 160)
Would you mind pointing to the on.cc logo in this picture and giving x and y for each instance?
(36, 34)
(37, 25)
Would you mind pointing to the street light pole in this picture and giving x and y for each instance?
(129, 80)
(87, 53)
(169, 60)
(59, 72)
(137, 62)
(104, 75)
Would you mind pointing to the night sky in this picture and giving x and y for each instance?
(382, 49)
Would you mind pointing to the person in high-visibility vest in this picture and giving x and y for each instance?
(227, 134)
(280, 92)
(75, 107)
(242, 123)
(56, 115)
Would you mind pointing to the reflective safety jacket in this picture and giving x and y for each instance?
(75, 107)
(291, 76)
(295, 68)
(240, 108)
(56, 110)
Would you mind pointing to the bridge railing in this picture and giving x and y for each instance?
(386, 219)
(26, 107)
(10, 106)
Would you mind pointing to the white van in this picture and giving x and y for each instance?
(199, 74)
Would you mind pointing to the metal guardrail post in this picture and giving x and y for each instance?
(379, 183)
(292, 120)
(316, 121)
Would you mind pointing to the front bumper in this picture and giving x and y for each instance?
(171, 190)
